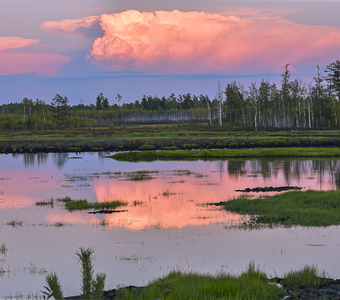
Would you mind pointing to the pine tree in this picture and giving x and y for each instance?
(60, 108)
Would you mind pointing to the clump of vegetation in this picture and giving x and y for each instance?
(308, 276)
(45, 203)
(83, 204)
(3, 249)
(252, 284)
(147, 147)
(309, 208)
(15, 223)
(138, 176)
(227, 153)
(91, 287)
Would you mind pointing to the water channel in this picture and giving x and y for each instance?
(166, 224)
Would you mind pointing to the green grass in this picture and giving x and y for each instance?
(161, 137)
(251, 284)
(308, 276)
(310, 208)
(228, 153)
(83, 204)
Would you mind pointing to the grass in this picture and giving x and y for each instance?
(15, 223)
(161, 137)
(228, 153)
(138, 176)
(45, 203)
(251, 284)
(3, 249)
(308, 276)
(309, 208)
(83, 204)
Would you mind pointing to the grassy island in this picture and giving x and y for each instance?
(228, 153)
(309, 208)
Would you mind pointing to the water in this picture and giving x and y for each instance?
(166, 226)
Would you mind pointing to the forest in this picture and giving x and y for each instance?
(293, 104)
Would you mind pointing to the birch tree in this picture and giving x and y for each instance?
(253, 97)
(219, 103)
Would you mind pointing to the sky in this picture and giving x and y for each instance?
(81, 48)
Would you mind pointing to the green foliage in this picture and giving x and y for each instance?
(169, 148)
(59, 107)
(251, 284)
(91, 287)
(308, 276)
(165, 287)
(85, 258)
(310, 208)
(147, 147)
(83, 204)
(53, 287)
(228, 153)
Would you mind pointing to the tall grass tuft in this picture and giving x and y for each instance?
(98, 285)
(308, 276)
(54, 286)
(91, 288)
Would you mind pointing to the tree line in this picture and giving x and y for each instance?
(294, 104)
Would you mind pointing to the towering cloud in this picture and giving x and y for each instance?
(14, 62)
(197, 42)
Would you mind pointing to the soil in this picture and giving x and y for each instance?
(330, 289)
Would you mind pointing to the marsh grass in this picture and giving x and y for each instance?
(138, 176)
(308, 276)
(49, 202)
(309, 208)
(83, 204)
(251, 284)
(15, 223)
(228, 153)
(3, 249)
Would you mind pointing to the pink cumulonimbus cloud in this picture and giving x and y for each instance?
(16, 62)
(199, 42)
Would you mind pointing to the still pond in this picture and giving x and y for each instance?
(165, 224)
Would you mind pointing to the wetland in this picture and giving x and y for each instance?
(161, 224)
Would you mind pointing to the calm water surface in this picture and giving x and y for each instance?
(166, 226)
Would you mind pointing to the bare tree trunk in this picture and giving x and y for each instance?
(209, 112)
(219, 103)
